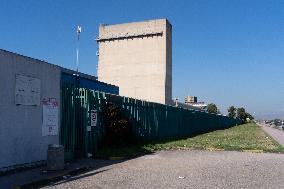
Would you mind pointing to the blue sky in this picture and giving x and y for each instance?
(225, 52)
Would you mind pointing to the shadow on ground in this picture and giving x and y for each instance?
(80, 169)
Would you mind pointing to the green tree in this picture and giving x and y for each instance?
(249, 116)
(241, 114)
(212, 108)
(232, 111)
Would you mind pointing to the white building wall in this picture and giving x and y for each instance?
(21, 139)
(137, 58)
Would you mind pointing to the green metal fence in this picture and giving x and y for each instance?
(76, 106)
(150, 121)
(153, 121)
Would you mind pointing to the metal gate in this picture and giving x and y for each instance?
(79, 137)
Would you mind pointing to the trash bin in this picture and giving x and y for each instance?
(55, 157)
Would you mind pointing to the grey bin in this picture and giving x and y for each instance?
(55, 157)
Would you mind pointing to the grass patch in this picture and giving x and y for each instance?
(246, 137)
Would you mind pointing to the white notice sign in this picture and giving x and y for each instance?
(50, 118)
(27, 91)
(94, 118)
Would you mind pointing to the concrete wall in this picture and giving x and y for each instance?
(21, 139)
(137, 57)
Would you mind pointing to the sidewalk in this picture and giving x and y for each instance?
(37, 177)
(277, 134)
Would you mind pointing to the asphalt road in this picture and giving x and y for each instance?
(187, 169)
(277, 134)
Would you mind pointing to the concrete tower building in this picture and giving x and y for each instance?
(137, 57)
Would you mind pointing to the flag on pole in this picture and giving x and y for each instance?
(79, 29)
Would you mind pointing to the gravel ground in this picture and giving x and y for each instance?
(187, 169)
(277, 134)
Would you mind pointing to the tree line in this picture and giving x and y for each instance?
(233, 112)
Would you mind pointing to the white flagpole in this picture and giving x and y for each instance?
(79, 29)
(77, 63)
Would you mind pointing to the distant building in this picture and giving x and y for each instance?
(137, 57)
(201, 105)
(192, 100)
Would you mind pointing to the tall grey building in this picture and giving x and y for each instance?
(137, 57)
